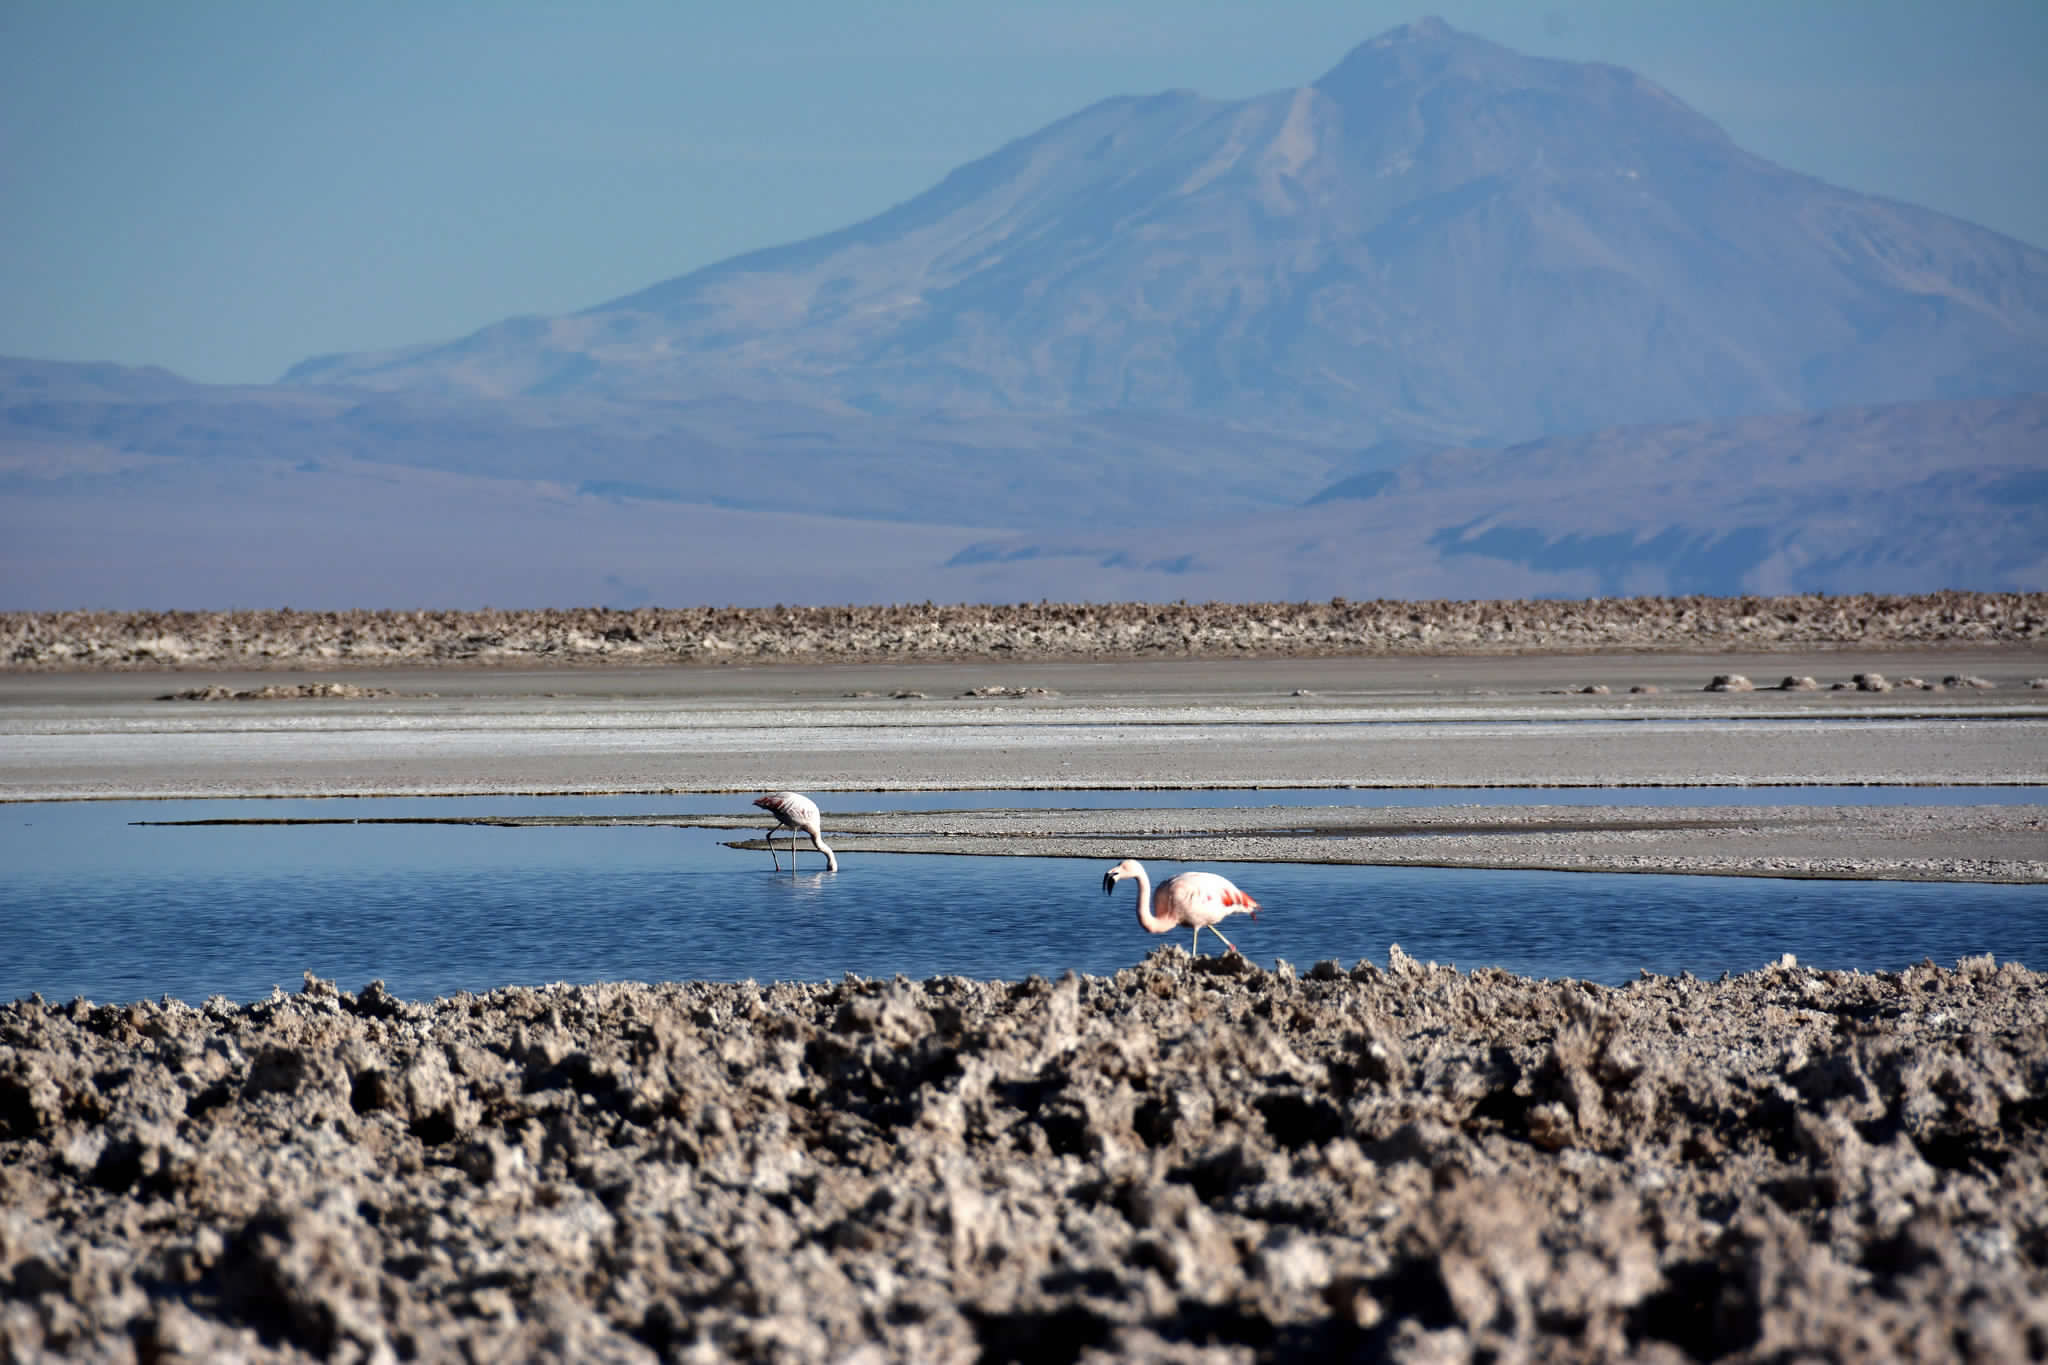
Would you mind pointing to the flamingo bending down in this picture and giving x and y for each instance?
(1202, 899)
(794, 811)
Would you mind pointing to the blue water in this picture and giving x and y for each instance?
(93, 904)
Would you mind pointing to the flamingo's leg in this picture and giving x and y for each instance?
(773, 856)
(1226, 942)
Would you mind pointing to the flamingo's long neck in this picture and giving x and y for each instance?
(1145, 918)
(818, 842)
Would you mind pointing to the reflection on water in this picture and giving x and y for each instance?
(97, 906)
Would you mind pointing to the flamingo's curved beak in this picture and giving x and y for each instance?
(1109, 882)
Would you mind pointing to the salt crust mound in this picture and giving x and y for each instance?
(258, 639)
(277, 692)
(1186, 1161)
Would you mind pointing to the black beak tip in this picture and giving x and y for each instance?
(1108, 883)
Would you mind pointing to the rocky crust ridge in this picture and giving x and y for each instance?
(1193, 1161)
(284, 639)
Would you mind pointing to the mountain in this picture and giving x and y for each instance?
(1448, 322)
(1440, 241)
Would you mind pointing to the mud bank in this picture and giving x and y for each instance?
(1045, 631)
(1185, 1161)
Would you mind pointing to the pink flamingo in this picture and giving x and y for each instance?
(1202, 899)
(794, 811)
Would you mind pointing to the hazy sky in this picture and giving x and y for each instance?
(225, 187)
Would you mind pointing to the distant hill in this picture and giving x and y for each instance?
(1439, 240)
(1096, 469)
(1879, 499)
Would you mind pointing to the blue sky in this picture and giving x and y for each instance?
(225, 187)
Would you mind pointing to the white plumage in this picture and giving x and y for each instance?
(794, 811)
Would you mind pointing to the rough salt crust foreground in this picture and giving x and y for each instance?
(1184, 1162)
(271, 639)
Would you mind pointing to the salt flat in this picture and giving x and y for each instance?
(1235, 724)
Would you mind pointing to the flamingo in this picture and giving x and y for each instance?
(1202, 899)
(794, 811)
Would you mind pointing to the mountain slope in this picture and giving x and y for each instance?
(1439, 240)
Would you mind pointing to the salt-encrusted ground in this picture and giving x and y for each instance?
(1181, 1162)
(286, 639)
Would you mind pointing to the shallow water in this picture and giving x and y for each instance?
(99, 906)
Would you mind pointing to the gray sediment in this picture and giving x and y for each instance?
(1926, 843)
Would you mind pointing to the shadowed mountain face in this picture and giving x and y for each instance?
(1441, 240)
(1881, 499)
